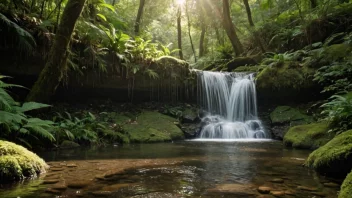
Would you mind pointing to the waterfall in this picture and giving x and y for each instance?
(230, 102)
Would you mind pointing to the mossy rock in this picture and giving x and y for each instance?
(309, 136)
(287, 114)
(288, 75)
(66, 144)
(335, 157)
(346, 187)
(16, 163)
(240, 61)
(190, 115)
(256, 68)
(153, 127)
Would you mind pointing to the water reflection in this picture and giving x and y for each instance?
(208, 169)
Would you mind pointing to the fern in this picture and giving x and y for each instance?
(21, 39)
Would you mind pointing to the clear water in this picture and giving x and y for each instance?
(230, 100)
(201, 169)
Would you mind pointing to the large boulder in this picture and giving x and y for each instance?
(335, 157)
(346, 188)
(286, 81)
(16, 163)
(152, 126)
(309, 136)
(284, 117)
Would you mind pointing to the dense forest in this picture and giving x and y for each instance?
(115, 72)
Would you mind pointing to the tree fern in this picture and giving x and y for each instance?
(21, 39)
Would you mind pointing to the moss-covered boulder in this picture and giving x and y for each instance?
(346, 187)
(287, 114)
(66, 144)
(286, 81)
(335, 157)
(284, 117)
(309, 136)
(16, 163)
(152, 126)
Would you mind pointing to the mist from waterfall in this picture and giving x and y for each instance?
(231, 105)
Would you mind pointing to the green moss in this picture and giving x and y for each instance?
(16, 162)
(309, 136)
(256, 68)
(287, 114)
(335, 157)
(153, 127)
(346, 187)
(335, 52)
(69, 144)
(289, 75)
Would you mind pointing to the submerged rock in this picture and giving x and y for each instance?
(309, 136)
(264, 189)
(335, 157)
(152, 126)
(16, 162)
(66, 144)
(346, 187)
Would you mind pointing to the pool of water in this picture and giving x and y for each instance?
(180, 169)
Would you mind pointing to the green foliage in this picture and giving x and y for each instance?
(338, 111)
(336, 78)
(15, 37)
(16, 125)
(82, 130)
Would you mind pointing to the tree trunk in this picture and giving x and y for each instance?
(55, 66)
(139, 16)
(251, 24)
(201, 41)
(230, 29)
(179, 33)
(189, 33)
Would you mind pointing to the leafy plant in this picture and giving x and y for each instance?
(335, 78)
(338, 111)
(16, 125)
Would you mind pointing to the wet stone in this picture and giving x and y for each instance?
(59, 187)
(277, 180)
(289, 192)
(116, 187)
(307, 188)
(50, 181)
(102, 193)
(319, 194)
(56, 169)
(264, 189)
(53, 191)
(332, 185)
(71, 165)
(78, 184)
(278, 193)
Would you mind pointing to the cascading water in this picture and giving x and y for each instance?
(230, 102)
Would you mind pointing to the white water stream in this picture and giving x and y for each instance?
(230, 100)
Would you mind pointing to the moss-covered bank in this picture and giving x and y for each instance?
(335, 157)
(308, 136)
(346, 188)
(16, 163)
(150, 126)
